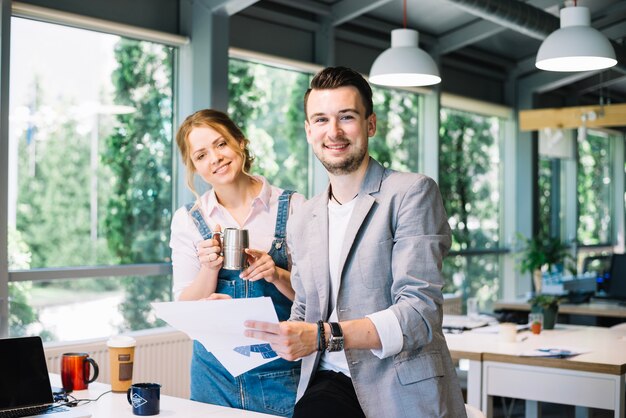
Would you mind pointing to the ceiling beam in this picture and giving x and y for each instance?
(525, 66)
(346, 10)
(385, 28)
(512, 14)
(616, 31)
(541, 81)
(470, 34)
(228, 7)
(477, 31)
(596, 83)
(573, 117)
(475, 54)
(361, 39)
(545, 81)
(282, 19)
(306, 6)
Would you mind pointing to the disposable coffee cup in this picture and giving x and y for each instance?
(508, 332)
(121, 359)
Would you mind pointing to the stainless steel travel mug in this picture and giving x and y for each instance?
(234, 242)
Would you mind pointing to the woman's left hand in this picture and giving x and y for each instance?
(261, 267)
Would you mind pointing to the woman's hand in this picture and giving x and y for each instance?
(261, 267)
(217, 296)
(209, 251)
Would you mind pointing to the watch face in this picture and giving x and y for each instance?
(335, 341)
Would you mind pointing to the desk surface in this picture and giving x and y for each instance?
(605, 349)
(116, 405)
(608, 309)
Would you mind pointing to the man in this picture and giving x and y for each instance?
(367, 257)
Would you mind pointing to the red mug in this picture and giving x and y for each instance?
(75, 371)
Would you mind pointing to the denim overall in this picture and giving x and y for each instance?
(270, 388)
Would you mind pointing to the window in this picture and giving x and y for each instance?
(395, 144)
(90, 180)
(549, 180)
(469, 179)
(267, 103)
(594, 189)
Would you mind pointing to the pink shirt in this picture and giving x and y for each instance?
(260, 222)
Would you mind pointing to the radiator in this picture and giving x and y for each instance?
(162, 355)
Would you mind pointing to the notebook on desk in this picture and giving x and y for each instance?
(25, 389)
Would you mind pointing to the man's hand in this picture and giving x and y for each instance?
(290, 339)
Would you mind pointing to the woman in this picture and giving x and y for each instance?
(213, 147)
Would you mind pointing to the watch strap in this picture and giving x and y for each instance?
(335, 341)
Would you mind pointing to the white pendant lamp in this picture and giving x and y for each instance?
(576, 46)
(404, 64)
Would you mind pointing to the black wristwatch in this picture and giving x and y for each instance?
(335, 341)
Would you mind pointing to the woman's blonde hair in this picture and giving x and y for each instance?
(219, 122)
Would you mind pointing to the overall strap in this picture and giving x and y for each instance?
(202, 226)
(283, 213)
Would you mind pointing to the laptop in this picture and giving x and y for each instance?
(25, 389)
(459, 323)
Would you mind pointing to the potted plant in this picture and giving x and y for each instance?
(542, 254)
(548, 305)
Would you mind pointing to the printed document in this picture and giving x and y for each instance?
(218, 326)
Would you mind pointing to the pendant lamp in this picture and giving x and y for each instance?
(576, 46)
(404, 64)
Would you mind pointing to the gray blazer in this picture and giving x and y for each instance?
(391, 259)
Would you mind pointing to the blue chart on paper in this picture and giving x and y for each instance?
(264, 349)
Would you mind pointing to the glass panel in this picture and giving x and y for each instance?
(65, 310)
(545, 196)
(90, 146)
(395, 144)
(474, 275)
(266, 102)
(594, 189)
(469, 178)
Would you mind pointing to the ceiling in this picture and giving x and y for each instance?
(495, 38)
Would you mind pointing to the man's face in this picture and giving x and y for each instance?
(337, 128)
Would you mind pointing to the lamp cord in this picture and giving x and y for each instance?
(404, 14)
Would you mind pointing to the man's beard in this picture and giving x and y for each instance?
(347, 166)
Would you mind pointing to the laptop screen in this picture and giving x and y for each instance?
(24, 379)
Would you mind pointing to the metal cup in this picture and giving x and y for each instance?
(234, 242)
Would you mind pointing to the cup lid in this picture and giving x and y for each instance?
(121, 341)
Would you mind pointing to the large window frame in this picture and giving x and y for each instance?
(12, 9)
(563, 207)
(502, 252)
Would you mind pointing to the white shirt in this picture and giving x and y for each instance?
(385, 321)
(260, 222)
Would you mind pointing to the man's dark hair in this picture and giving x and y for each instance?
(335, 77)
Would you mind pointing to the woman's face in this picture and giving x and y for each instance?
(216, 162)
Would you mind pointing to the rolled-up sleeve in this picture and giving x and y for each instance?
(185, 262)
(389, 332)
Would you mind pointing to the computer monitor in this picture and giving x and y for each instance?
(617, 284)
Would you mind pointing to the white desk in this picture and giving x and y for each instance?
(596, 309)
(116, 405)
(595, 379)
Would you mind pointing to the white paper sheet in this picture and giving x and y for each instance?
(218, 326)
